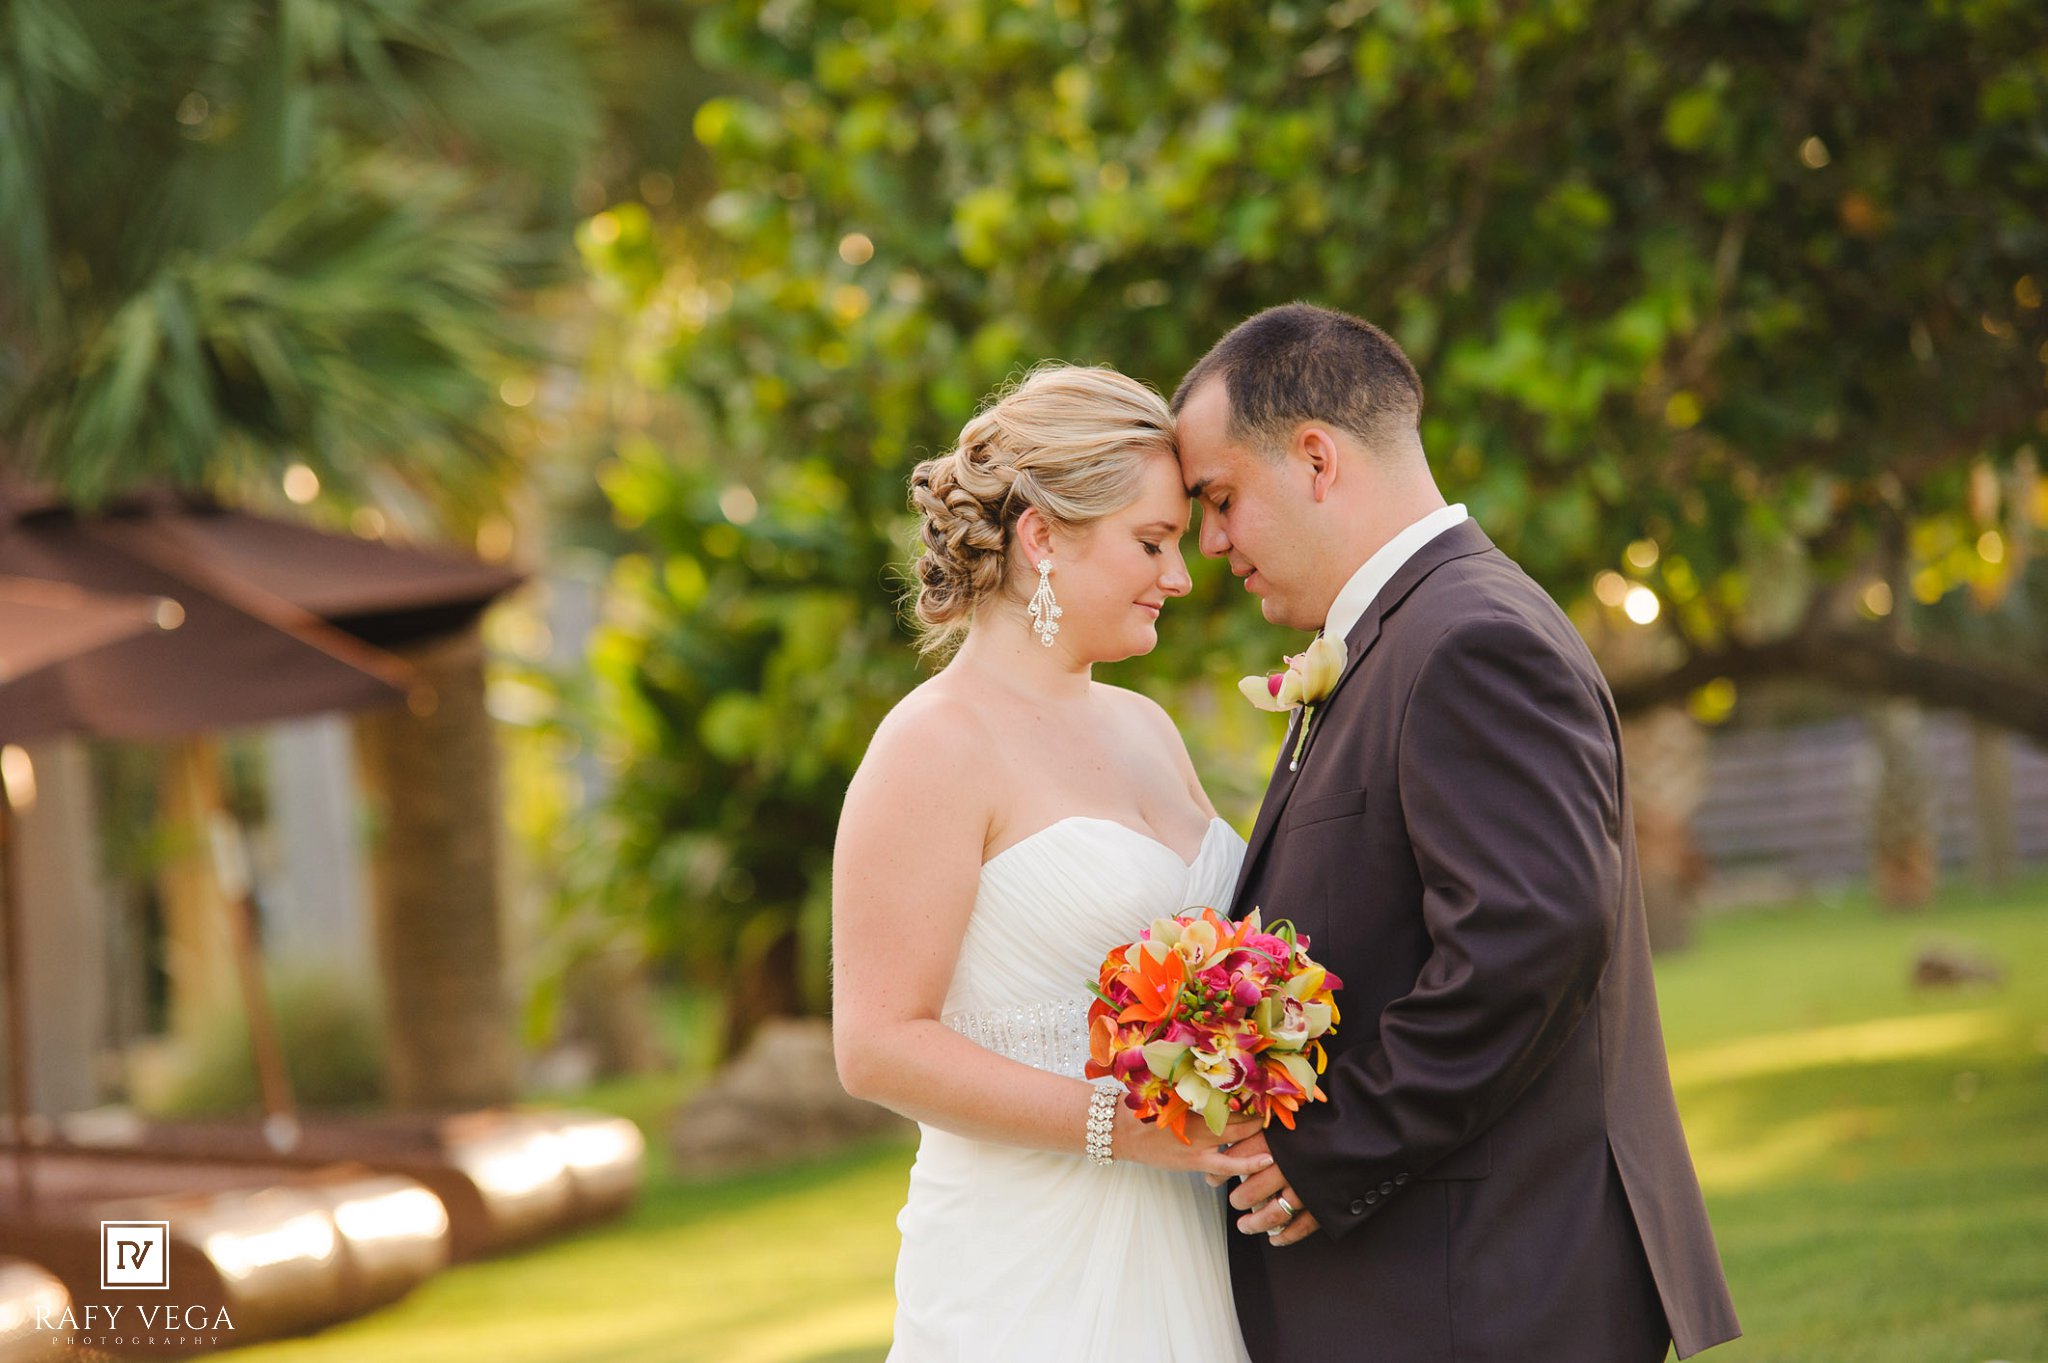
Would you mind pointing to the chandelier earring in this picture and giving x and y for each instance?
(1045, 610)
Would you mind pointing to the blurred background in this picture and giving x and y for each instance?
(452, 510)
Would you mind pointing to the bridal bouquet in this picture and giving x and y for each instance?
(1217, 1018)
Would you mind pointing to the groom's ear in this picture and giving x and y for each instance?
(1318, 449)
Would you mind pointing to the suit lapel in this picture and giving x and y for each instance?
(1278, 787)
(1460, 541)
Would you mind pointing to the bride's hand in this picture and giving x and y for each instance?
(1149, 1143)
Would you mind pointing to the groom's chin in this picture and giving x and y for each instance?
(1277, 613)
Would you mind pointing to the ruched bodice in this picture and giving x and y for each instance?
(1052, 905)
(1028, 1255)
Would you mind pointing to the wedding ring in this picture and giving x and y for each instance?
(1285, 1205)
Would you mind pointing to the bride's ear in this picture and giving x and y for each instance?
(1034, 537)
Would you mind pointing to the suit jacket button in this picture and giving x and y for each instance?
(1358, 1206)
(1386, 1190)
(1400, 1180)
(1371, 1198)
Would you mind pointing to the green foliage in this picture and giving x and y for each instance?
(1662, 265)
(738, 680)
(235, 236)
(1748, 281)
(332, 1051)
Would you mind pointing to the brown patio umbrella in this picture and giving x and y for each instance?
(505, 1176)
(279, 620)
(244, 654)
(240, 655)
(42, 623)
(267, 633)
(375, 591)
(382, 593)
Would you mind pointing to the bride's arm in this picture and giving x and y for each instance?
(905, 871)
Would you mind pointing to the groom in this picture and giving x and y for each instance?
(1499, 1175)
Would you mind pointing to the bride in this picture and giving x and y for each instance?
(1012, 821)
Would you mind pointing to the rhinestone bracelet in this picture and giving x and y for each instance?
(1102, 1119)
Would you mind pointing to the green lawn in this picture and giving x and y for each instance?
(1876, 1163)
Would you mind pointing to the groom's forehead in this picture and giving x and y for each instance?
(1202, 427)
(1207, 408)
(1204, 462)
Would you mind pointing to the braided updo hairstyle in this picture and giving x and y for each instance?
(1069, 440)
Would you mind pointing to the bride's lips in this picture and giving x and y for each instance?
(1147, 605)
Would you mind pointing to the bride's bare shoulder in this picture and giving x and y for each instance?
(1141, 712)
(934, 742)
(915, 819)
(934, 712)
(1149, 720)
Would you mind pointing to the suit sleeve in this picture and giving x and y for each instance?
(1508, 783)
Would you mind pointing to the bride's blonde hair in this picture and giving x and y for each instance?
(1068, 440)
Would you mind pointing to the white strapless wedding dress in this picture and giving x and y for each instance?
(1026, 1256)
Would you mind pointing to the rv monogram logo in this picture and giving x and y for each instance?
(135, 1254)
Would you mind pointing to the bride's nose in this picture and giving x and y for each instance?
(1174, 579)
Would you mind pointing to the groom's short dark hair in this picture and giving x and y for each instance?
(1299, 362)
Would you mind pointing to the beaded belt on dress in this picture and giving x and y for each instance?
(1047, 1036)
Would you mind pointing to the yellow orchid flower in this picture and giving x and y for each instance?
(1321, 665)
(1310, 676)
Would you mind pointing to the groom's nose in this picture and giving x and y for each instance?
(1212, 540)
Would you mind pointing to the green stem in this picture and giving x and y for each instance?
(1308, 717)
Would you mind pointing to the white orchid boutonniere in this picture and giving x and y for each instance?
(1311, 676)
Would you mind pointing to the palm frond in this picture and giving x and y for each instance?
(238, 234)
(357, 324)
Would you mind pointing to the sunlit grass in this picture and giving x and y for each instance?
(1875, 1159)
(773, 1268)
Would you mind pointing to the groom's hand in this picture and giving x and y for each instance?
(1258, 1197)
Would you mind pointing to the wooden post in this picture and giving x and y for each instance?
(231, 869)
(18, 1102)
(199, 952)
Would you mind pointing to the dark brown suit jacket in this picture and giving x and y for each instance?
(1499, 1171)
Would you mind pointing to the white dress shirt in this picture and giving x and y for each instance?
(1377, 571)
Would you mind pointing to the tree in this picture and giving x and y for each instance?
(238, 237)
(1720, 300)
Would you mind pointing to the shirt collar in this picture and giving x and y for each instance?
(1357, 594)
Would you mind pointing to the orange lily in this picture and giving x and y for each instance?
(1157, 982)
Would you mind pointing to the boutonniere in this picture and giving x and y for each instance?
(1311, 676)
